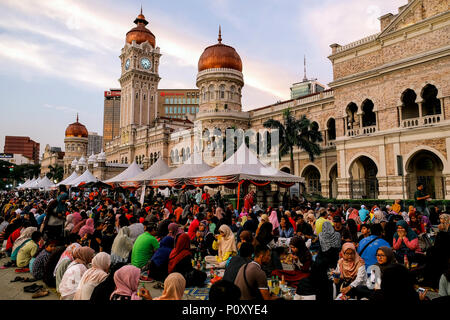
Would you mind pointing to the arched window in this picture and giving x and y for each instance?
(431, 104)
(177, 157)
(331, 129)
(314, 126)
(232, 91)
(369, 117)
(410, 109)
(351, 110)
(182, 155)
(137, 159)
(172, 156)
(211, 92)
(222, 91)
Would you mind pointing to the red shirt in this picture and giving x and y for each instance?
(178, 212)
(12, 238)
(206, 197)
(193, 229)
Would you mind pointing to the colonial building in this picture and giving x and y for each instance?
(52, 156)
(385, 118)
(76, 142)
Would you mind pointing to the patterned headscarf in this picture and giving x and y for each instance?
(329, 238)
(67, 254)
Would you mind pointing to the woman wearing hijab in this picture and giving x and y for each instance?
(273, 219)
(88, 228)
(48, 277)
(127, 283)
(301, 259)
(64, 261)
(415, 223)
(93, 276)
(25, 237)
(174, 286)
(69, 225)
(79, 225)
(72, 277)
(330, 244)
(311, 219)
(226, 246)
(405, 243)
(350, 271)
(102, 292)
(76, 218)
(122, 246)
(174, 230)
(159, 262)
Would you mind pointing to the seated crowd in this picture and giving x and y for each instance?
(99, 249)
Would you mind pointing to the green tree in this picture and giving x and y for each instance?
(296, 133)
(55, 173)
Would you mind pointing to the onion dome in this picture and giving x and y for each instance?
(220, 56)
(82, 161)
(101, 157)
(74, 162)
(92, 159)
(140, 33)
(76, 129)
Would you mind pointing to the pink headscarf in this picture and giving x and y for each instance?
(87, 228)
(166, 213)
(76, 216)
(273, 218)
(219, 213)
(244, 212)
(127, 281)
(67, 254)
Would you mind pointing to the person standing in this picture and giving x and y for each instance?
(420, 200)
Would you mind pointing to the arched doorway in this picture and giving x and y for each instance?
(425, 167)
(363, 179)
(333, 181)
(312, 180)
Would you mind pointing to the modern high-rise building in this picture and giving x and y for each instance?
(22, 145)
(306, 87)
(95, 143)
(111, 114)
(178, 103)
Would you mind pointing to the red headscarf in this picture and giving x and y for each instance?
(181, 250)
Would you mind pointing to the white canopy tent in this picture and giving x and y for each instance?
(243, 165)
(192, 167)
(33, 184)
(159, 168)
(25, 184)
(45, 184)
(70, 178)
(130, 172)
(86, 177)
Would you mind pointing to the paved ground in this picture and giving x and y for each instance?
(14, 290)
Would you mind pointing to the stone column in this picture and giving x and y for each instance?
(343, 188)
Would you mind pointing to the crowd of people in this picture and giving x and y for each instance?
(97, 247)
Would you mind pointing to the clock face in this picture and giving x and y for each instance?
(145, 63)
(127, 64)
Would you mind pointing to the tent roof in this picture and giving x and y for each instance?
(159, 168)
(130, 172)
(45, 183)
(86, 177)
(24, 185)
(67, 180)
(245, 165)
(192, 167)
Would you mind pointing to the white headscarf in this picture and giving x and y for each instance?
(25, 234)
(93, 276)
(122, 244)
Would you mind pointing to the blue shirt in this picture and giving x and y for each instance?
(363, 214)
(286, 233)
(41, 218)
(369, 255)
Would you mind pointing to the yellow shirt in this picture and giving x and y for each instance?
(25, 254)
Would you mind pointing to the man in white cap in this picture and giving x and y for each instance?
(363, 213)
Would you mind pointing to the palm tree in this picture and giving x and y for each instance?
(296, 132)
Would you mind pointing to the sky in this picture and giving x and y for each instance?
(57, 57)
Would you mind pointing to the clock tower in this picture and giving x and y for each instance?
(139, 80)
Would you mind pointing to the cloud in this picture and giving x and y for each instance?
(101, 32)
(343, 21)
(61, 108)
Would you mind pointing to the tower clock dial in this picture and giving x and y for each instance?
(145, 63)
(127, 64)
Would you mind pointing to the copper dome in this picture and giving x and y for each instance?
(140, 33)
(220, 56)
(76, 129)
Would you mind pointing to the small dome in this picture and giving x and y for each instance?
(101, 157)
(140, 33)
(220, 56)
(82, 161)
(74, 162)
(76, 129)
(92, 159)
